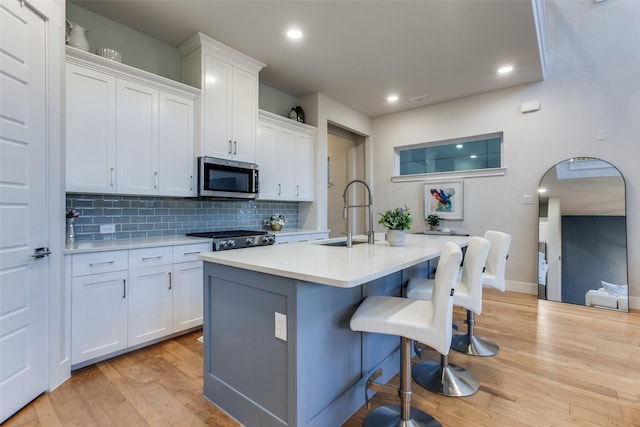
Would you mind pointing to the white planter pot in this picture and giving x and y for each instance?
(396, 237)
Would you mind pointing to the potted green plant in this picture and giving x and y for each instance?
(397, 221)
(275, 221)
(433, 220)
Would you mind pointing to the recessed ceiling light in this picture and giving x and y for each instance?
(473, 156)
(505, 69)
(294, 33)
(459, 146)
(542, 190)
(392, 98)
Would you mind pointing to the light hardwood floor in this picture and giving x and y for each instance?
(559, 365)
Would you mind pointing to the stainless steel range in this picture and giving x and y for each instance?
(236, 239)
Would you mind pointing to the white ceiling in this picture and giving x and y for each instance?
(358, 52)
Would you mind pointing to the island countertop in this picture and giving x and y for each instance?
(335, 266)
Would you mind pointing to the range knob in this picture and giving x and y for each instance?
(232, 243)
(249, 241)
(223, 243)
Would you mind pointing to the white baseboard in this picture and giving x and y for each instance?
(522, 287)
(532, 288)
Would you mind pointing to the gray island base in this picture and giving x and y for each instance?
(313, 373)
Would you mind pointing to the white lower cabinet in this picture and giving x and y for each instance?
(300, 237)
(150, 304)
(187, 295)
(98, 304)
(124, 298)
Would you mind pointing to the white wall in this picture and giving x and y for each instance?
(319, 111)
(591, 83)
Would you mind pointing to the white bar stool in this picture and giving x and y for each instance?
(425, 321)
(492, 276)
(443, 377)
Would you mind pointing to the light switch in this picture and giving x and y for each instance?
(527, 199)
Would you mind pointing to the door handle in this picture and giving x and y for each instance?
(40, 253)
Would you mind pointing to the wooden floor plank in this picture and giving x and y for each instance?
(558, 365)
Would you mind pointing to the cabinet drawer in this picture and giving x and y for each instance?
(150, 257)
(98, 262)
(186, 253)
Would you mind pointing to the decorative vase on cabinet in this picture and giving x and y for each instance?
(71, 230)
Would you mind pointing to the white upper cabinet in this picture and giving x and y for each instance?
(128, 131)
(229, 82)
(137, 138)
(284, 152)
(177, 159)
(91, 130)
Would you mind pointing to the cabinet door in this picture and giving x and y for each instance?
(150, 304)
(176, 153)
(90, 131)
(187, 295)
(137, 139)
(216, 116)
(267, 159)
(303, 167)
(245, 114)
(286, 164)
(98, 315)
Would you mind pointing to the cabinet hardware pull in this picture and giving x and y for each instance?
(170, 281)
(124, 288)
(155, 178)
(235, 148)
(279, 189)
(191, 182)
(111, 176)
(148, 258)
(297, 190)
(91, 264)
(191, 253)
(229, 146)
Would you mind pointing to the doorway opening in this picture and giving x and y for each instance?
(345, 162)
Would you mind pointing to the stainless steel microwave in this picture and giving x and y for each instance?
(227, 179)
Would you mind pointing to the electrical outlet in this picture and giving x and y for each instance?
(281, 326)
(107, 228)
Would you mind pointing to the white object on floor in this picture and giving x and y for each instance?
(201, 339)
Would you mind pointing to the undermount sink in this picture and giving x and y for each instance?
(342, 243)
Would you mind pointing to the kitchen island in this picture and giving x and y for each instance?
(278, 347)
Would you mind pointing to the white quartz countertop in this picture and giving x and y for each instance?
(335, 266)
(117, 244)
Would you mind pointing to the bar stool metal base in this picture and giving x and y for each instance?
(445, 378)
(474, 345)
(391, 416)
(471, 344)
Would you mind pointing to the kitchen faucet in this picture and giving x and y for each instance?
(370, 233)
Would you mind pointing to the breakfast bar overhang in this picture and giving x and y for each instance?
(278, 350)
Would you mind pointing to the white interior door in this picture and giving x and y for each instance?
(23, 207)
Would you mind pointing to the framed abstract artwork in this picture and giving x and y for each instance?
(445, 199)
